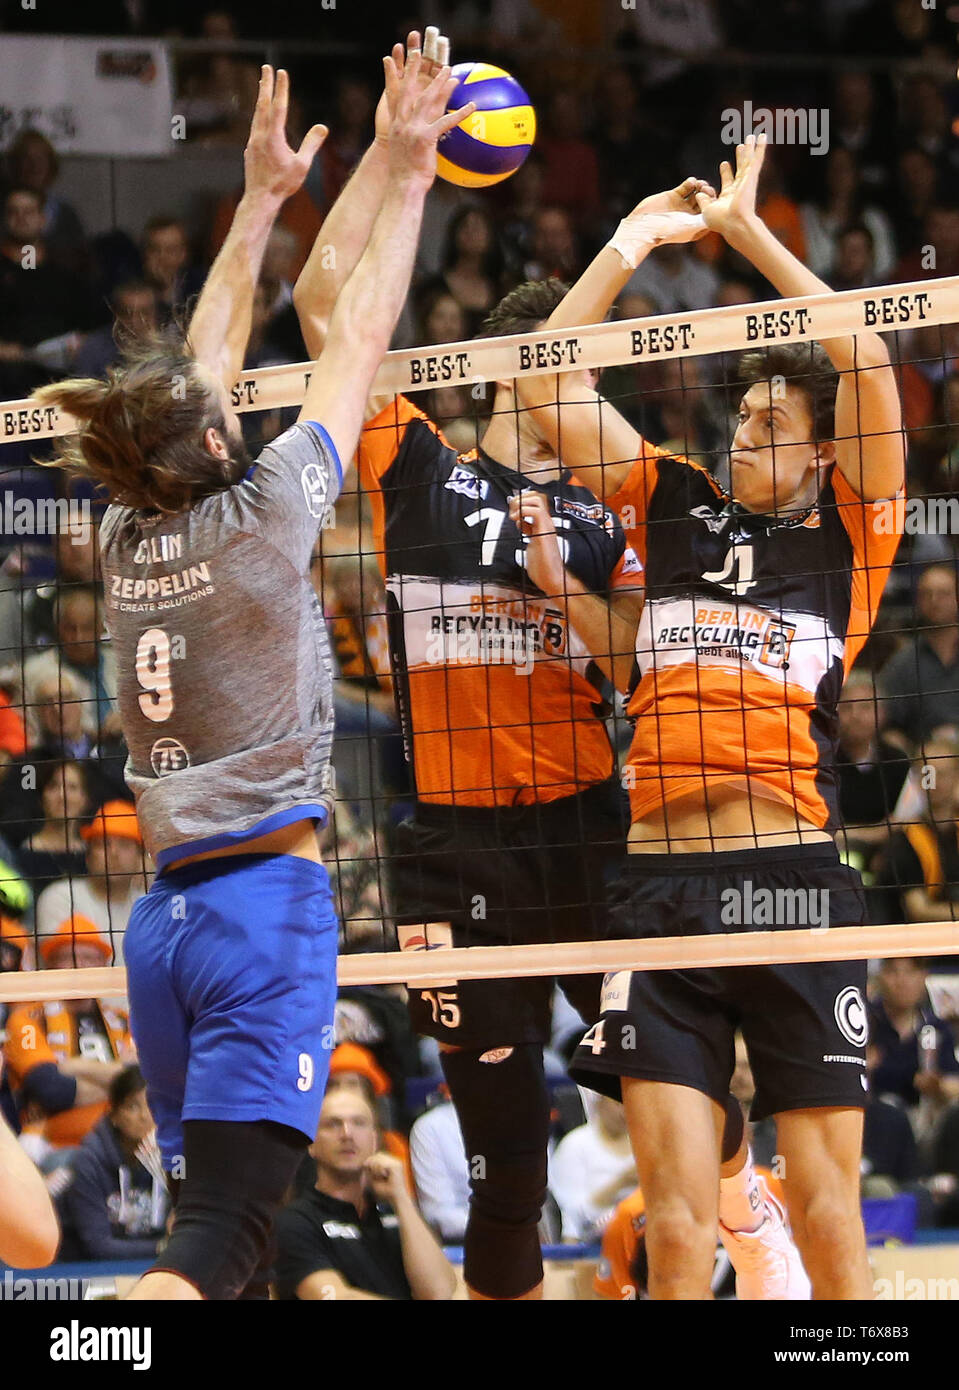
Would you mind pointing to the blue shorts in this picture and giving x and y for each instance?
(231, 975)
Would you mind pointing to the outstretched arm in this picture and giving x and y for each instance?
(370, 302)
(220, 327)
(589, 434)
(349, 225)
(870, 450)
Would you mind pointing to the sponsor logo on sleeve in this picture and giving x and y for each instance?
(313, 481)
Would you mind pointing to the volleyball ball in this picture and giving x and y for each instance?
(492, 143)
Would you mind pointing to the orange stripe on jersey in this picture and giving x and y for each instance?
(380, 441)
(874, 549)
(382, 436)
(480, 740)
(631, 502)
(699, 733)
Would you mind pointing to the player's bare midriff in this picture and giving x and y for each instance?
(298, 839)
(729, 818)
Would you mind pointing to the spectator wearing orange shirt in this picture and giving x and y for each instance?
(62, 1056)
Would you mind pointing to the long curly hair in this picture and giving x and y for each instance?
(140, 431)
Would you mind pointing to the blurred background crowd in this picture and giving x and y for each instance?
(628, 101)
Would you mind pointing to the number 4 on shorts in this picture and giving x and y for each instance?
(594, 1038)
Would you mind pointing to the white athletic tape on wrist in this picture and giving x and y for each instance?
(879, 309)
(638, 234)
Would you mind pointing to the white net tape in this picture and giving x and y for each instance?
(655, 339)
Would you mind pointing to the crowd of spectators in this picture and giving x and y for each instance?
(878, 204)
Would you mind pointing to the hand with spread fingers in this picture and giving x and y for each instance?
(733, 212)
(435, 54)
(272, 168)
(419, 116)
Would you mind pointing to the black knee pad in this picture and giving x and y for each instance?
(734, 1129)
(503, 1109)
(234, 1178)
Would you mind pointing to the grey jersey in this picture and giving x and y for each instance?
(224, 672)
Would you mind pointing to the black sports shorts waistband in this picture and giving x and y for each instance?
(533, 812)
(818, 856)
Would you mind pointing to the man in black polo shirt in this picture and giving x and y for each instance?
(914, 1054)
(357, 1234)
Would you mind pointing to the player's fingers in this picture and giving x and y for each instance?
(281, 98)
(760, 153)
(443, 51)
(414, 61)
(725, 176)
(453, 118)
(433, 98)
(312, 141)
(264, 96)
(430, 42)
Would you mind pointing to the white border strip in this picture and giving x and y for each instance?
(811, 319)
(426, 969)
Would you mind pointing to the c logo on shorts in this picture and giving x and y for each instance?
(850, 1014)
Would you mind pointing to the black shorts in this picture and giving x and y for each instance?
(804, 1024)
(501, 876)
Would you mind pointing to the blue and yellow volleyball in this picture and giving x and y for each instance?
(492, 143)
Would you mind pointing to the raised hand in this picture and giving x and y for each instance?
(674, 214)
(420, 117)
(671, 216)
(272, 168)
(435, 55)
(735, 208)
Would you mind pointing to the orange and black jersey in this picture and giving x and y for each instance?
(750, 624)
(499, 697)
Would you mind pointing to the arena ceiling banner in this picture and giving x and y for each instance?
(88, 96)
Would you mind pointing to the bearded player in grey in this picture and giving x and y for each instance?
(225, 695)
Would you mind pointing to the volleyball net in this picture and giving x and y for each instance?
(462, 689)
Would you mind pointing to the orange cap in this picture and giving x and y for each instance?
(11, 930)
(351, 1057)
(75, 930)
(114, 818)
